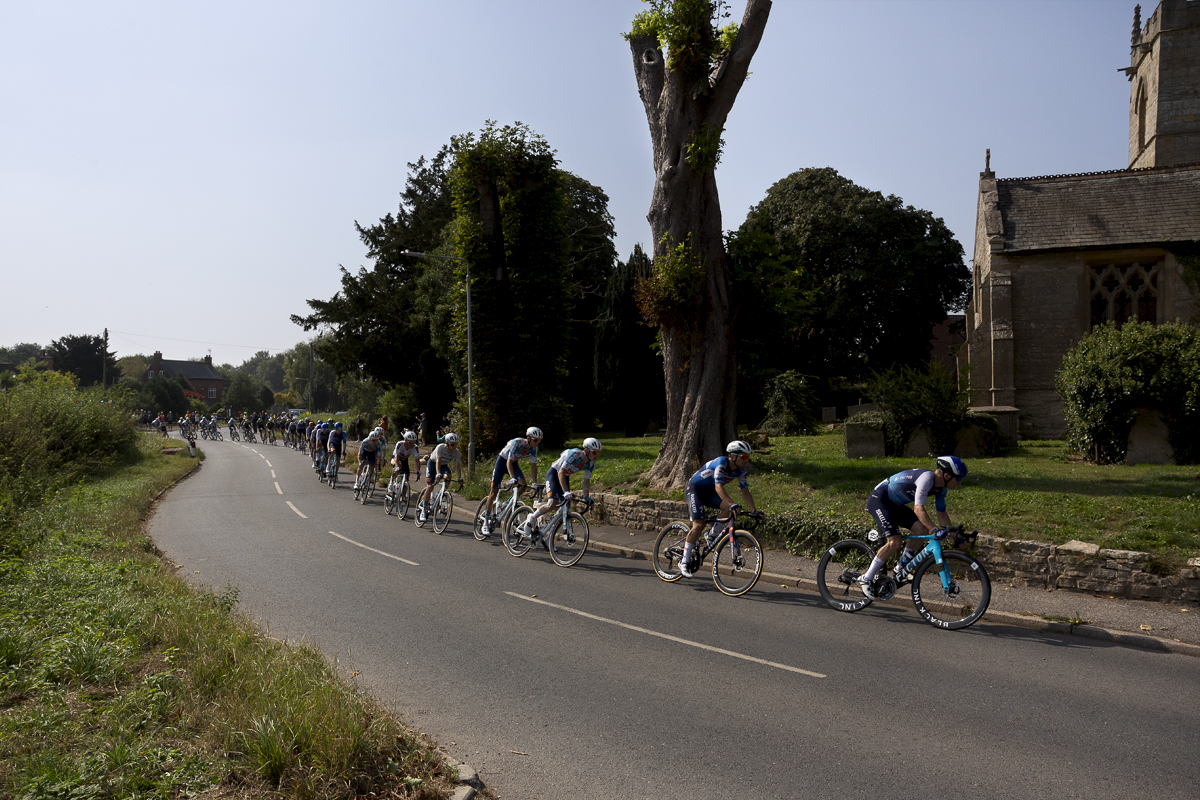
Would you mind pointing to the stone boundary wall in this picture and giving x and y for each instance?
(1073, 567)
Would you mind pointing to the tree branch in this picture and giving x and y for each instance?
(649, 68)
(732, 73)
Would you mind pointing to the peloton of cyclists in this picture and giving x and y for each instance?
(558, 484)
(509, 463)
(706, 489)
(888, 504)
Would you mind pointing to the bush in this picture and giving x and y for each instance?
(791, 406)
(911, 398)
(1113, 371)
(809, 535)
(53, 435)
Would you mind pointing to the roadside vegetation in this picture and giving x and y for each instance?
(117, 679)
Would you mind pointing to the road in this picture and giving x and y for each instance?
(601, 681)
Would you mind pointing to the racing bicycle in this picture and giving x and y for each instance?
(441, 506)
(950, 588)
(738, 562)
(398, 494)
(565, 534)
(364, 484)
(501, 511)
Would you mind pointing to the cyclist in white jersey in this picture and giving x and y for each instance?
(509, 463)
(438, 465)
(406, 448)
(558, 482)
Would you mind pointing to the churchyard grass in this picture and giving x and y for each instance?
(1037, 491)
(118, 679)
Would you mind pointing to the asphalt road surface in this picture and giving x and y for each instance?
(601, 681)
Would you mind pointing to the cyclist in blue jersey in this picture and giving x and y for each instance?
(706, 489)
(509, 463)
(888, 504)
(369, 450)
(337, 442)
(558, 483)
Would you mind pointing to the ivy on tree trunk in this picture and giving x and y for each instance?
(686, 106)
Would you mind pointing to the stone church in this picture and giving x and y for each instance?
(1058, 254)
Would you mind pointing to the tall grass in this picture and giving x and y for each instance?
(119, 680)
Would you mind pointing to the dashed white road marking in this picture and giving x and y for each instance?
(277, 487)
(272, 473)
(268, 463)
(373, 550)
(289, 502)
(669, 637)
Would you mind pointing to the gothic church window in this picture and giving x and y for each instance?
(1121, 292)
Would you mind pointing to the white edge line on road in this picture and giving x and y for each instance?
(277, 487)
(373, 550)
(289, 502)
(668, 637)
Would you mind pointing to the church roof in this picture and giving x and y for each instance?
(192, 370)
(1103, 209)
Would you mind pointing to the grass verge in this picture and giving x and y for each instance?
(119, 680)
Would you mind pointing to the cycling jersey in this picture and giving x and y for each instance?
(518, 449)
(404, 451)
(717, 471)
(572, 461)
(443, 453)
(914, 486)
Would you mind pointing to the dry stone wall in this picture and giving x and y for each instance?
(1074, 566)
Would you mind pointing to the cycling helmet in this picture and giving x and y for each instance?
(338, 425)
(954, 465)
(410, 437)
(533, 433)
(738, 448)
(451, 438)
(592, 445)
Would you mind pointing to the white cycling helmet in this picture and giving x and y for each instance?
(592, 445)
(410, 437)
(738, 448)
(451, 438)
(533, 433)
(374, 436)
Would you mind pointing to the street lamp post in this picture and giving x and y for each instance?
(470, 381)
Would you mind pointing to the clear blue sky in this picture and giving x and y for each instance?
(193, 171)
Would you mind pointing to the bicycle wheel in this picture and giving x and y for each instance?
(442, 510)
(837, 571)
(477, 527)
(569, 540)
(964, 602)
(369, 489)
(402, 500)
(420, 523)
(668, 551)
(364, 491)
(333, 475)
(737, 564)
(513, 542)
(389, 501)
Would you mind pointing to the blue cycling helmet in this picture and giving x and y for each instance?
(338, 426)
(954, 465)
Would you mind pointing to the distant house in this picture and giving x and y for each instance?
(200, 374)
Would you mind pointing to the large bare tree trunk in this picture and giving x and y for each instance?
(698, 353)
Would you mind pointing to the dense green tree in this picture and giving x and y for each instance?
(266, 367)
(84, 357)
(243, 394)
(839, 281)
(510, 228)
(628, 364)
(164, 394)
(20, 353)
(689, 70)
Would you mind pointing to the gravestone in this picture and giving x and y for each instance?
(1148, 442)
